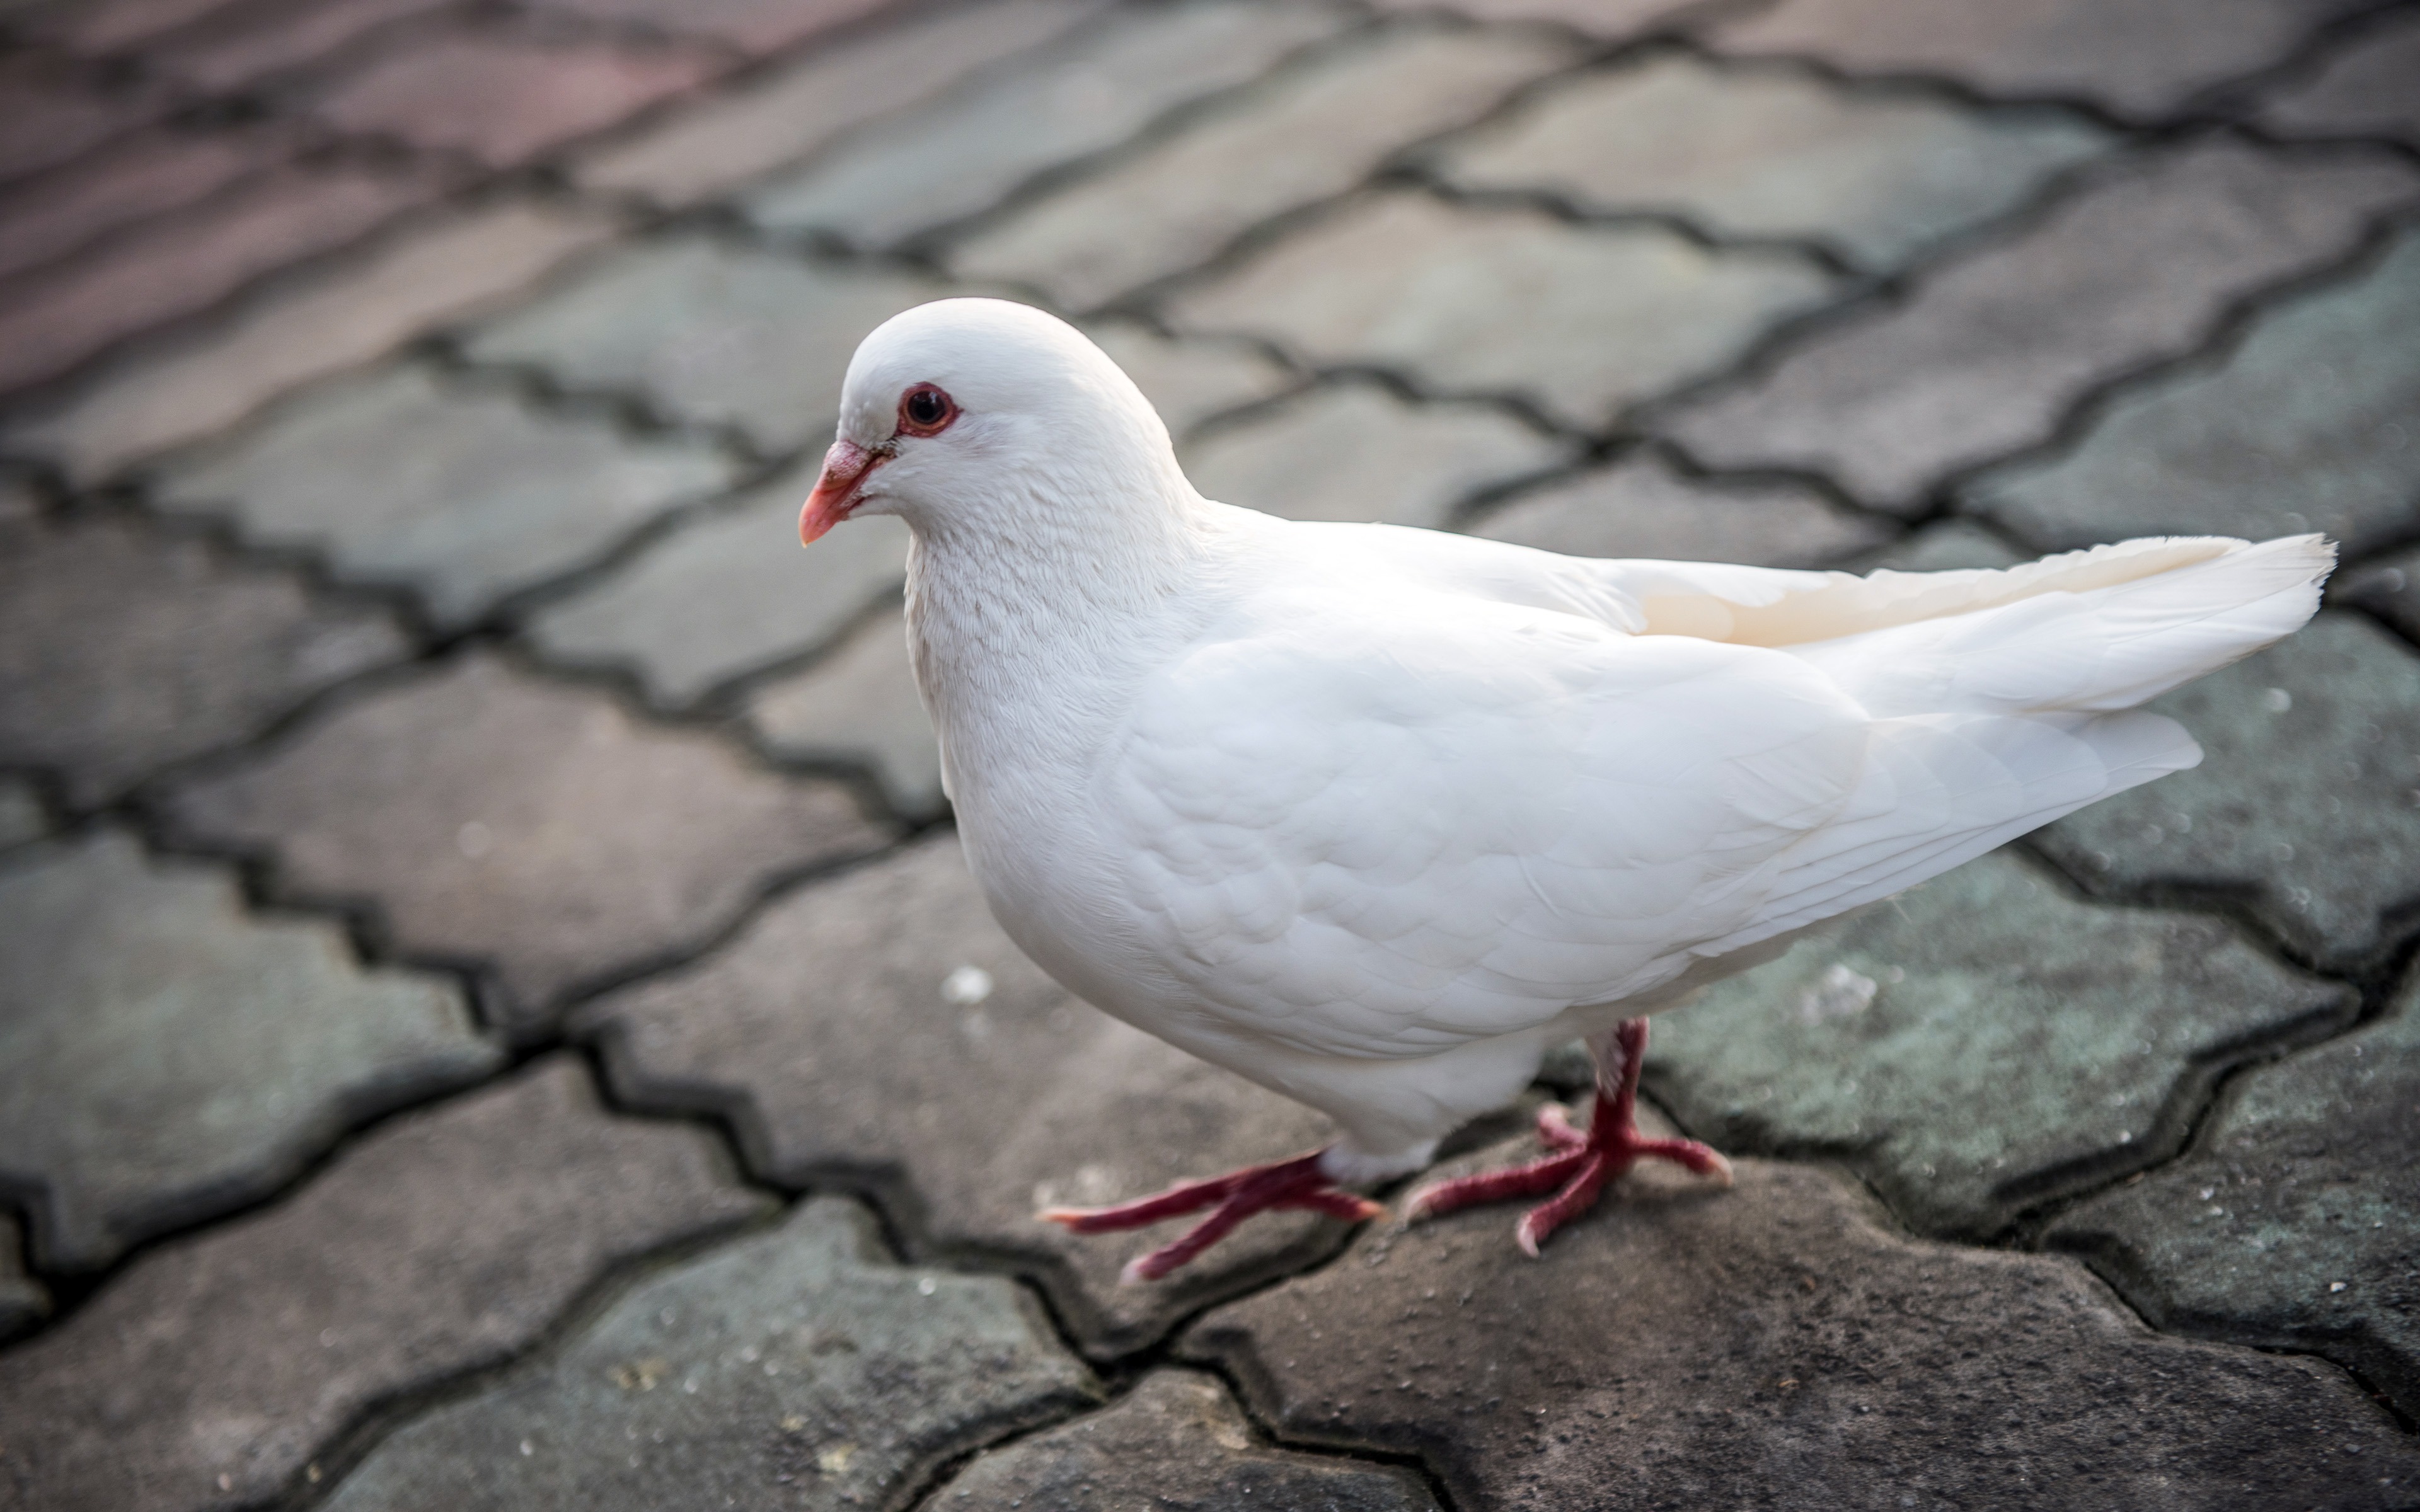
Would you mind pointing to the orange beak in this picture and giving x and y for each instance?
(846, 467)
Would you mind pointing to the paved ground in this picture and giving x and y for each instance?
(491, 1011)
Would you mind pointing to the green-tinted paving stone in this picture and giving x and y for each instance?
(466, 496)
(1640, 507)
(22, 818)
(1772, 153)
(965, 154)
(1979, 1043)
(709, 335)
(164, 1057)
(2306, 802)
(1580, 320)
(2294, 1223)
(858, 705)
(1355, 452)
(2389, 589)
(22, 1300)
(2312, 423)
(802, 1369)
(1178, 1442)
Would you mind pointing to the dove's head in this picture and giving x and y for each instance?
(989, 418)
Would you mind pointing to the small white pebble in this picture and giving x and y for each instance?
(527, 1449)
(926, 1287)
(2335, 1286)
(2277, 700)
(966, 986)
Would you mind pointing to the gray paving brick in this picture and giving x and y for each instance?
(2366, 89)
(1314, 133)
(1582, 321)
(1176, 1441)
(710, 334)
(727, 594)
(1772, 153)
(757, 25)
(1598, 17)
(1640, 507)
(24, 1302)
(1998, 342)
(2290, 1223)
(858, 704)
(785, 116)
(2312, 422)
(1981, 1043)
(2307, 803)
(2389, 589)
(1944, 546)
(1355, 452)
(466, 496)
(1189, 381)
(262, 42)
(536, 828)
(963, 154)
(1773, 1345)
(22, 818)
(2145, 58)
(210, 1371)
(798, 1368)
(123, 649)
(838, 1026)
(448, 265)
(166, 1057)
(143, 174)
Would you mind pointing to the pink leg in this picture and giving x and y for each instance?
(1584, 1163)
(1298, 1183)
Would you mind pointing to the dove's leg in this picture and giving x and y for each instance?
(1299, 1182)
(1583, 1163)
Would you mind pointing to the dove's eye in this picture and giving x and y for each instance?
(925, 410)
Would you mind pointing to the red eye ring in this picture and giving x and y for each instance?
(925, 409)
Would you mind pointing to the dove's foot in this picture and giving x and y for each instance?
(1584, 1163)
(1299, 1182)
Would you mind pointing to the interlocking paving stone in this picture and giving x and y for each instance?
(758, 25)
(2365, 90)
(1580, 320)
(2311, 424)
(531, 827)
(2144, 57)
(1603, 18)
(50, 113)
(829, 1026)
(448, 265)
(1316, 131)
(2389, 589)
(53, 318)
(501, 98)
(1996, 343)
(464, 496)
(1177, 1441)
(1355, 452)
(781, 118)
(24, 1302)
(2290, 1223)
(141, 175)
(242, 45)
(710, 334)
(112, 25)
(2307, 801)
(1763, 153)
(163, 1057)
(965, 154)
(859, 704)
(22, 818)
(210, 1370)
(1770, 1345)
(1640, 507)
(803, 1368)
(1946, 546)
(122, 650)
(1189, 381)
(1980, 1042)
(727, 594)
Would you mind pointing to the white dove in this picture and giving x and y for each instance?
(1375, 816)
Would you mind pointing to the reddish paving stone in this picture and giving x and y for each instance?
(2371, 88)
(123, 650)
(1641, 507)
(2389, 589)
(505, 98)
(536, 828)
(1177, 1441)
(880, 1028)
(1598, 18)
(52, 319)
(166, 1058)
(447, 264)
(758, 25)
(244, 45)
(50, 113)
(141, 174)
(115, 26)
(1998, 342)
(210, 1372)
(1772, 1346)
(2143, 57)
(781, 117)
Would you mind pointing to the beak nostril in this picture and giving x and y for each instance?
(845, 468)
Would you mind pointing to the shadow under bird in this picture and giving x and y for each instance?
(1376, 816)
